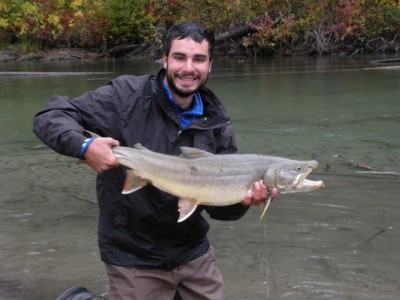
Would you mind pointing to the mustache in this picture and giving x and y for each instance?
(187, 74)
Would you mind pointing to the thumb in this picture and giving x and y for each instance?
(111, 142)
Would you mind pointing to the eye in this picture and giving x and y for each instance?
(299, 168)
(199, 59)
(178, 57)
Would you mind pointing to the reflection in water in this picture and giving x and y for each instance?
(336, 243)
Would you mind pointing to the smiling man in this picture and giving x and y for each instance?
(147, 253)
(187, 66)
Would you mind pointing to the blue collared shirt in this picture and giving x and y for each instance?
(186, 116)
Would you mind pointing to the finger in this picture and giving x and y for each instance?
(257, 192)
(260, 193)
(247, 198)
(264, 190)
(114, 142)
(273, 193)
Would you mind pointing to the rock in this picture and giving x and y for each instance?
(30, 57)
(61, 54)
(7, 55)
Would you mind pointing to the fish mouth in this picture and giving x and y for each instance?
(302, 183)
(301, 178)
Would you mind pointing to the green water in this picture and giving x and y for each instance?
(338, 243)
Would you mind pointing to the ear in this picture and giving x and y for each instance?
(165, 60)
(209, 68)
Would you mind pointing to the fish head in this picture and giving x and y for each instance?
(291, 176)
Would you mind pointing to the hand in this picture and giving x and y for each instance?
(99, 155)
(259, 194)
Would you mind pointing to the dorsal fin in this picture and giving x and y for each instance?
(190, 152)
(139, 146)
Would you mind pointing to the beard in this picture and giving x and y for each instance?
(180, 91)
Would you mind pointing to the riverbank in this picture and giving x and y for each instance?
(59, 54)
(80, 54)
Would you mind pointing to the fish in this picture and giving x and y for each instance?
(198, 177)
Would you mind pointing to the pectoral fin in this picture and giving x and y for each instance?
(185, 207)
(133, 182)
(265, 207)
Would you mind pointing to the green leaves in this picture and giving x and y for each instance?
(282, 26)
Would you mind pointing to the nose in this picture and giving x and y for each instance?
(188, 65)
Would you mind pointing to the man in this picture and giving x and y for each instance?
(148, 254)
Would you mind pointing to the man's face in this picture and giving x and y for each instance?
(187, 66)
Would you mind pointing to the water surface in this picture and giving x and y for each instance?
(338, 243)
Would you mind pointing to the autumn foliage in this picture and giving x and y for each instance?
(281, 27)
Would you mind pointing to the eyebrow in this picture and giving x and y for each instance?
(195, 56)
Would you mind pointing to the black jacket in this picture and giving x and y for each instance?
(140, 229)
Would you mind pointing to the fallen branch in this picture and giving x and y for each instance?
(121, 50)
(392, 173)
(235, 33)
(381, 44)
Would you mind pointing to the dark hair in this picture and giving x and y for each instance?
(195, 31)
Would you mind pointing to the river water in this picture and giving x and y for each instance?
(341, 242)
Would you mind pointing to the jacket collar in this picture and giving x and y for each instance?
(186, 116)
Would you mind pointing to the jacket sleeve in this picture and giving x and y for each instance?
(61, 122)
(227, 213)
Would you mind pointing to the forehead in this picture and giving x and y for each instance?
(189, 47)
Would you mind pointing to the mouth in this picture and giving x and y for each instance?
(302, 183)
(300, 179)
(312, 184)
(187, 78)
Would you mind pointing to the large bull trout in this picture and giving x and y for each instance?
(198, 177)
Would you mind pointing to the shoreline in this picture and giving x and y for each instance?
(53, 55)
(81, 54)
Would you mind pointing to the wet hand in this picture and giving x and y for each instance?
(99, 155)
(259, 194)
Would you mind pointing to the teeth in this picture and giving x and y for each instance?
(298, 177)
(187, 77)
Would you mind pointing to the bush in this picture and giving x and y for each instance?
(283, 26)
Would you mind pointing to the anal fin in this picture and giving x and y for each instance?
(185, 207)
